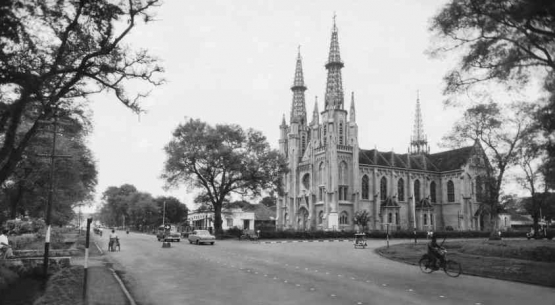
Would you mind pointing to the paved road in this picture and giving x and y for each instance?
(234, 272)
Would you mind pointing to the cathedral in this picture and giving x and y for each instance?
(331, 178)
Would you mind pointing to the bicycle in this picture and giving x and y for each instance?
(450, 267)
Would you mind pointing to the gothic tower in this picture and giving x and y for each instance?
(418, 141)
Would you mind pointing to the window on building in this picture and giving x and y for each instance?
(229, 222)
(432, 219)
(343, 192)
(321, 194)
(417, 190)
(325, 134)
(450, 191)
(341, 133)
(365, 187)
(343, 173)
(401, 189)
(344, 218)
(390, 218)
(383, 189)
(396, 218)
(425, 219)
(479, 189)
(321, 173)
(306, 181)
(303, 143)
(433, 191)
(320, 217)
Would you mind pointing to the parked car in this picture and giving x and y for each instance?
(168, 233)
(201, 237)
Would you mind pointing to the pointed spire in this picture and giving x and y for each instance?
(334, 87)
(315, 113)
(298, 109)
(352, 113)
(283, 121)
(419, 141)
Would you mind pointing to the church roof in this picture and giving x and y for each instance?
(439, 162)
(390, 203)
(451, 159)
(424, 203)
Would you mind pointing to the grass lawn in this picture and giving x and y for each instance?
(529, 261)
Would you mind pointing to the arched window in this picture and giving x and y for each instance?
(401, 189)
(396, 218)
(433, 191)
(365, 187)
(344, 218)
(390, 218)
(383, 188)
(320, 217)
(325, 134)
(321, 173)
(425, 219)
(343, 173)
(450, 191)
(417, 191)
(479, 189)
(341, 133)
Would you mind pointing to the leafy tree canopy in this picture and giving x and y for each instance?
(220, 161)
(55, 54)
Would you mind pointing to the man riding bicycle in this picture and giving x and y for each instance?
(436, 252)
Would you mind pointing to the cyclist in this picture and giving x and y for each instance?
(436, 252)
(113, 240)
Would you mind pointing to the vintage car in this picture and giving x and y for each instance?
(168, 233)
(201, 237)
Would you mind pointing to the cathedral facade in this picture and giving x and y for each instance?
(331, 178)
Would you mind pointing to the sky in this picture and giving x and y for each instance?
(234, 62)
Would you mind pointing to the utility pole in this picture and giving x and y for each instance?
(52, 157)
(164, 214)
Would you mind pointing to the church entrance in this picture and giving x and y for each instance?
(302, 221)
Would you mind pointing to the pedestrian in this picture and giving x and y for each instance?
(4, 245)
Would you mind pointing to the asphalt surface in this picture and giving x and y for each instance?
(241, 272)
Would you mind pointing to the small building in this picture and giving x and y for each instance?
(247, 218)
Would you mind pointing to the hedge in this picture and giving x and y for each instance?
(405, 234)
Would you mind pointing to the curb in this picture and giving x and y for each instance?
(305, 241)
(100, 250)
(122, 286)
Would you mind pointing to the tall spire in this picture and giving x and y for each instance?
(298, 109)
(334, 86)
(315, 113)
(418, 141)
(352, 113)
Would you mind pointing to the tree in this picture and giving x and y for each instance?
(55, 54)
(506, 41)
(362, 217)
(116, 203)
(502, 134)
(269, 201)
(176, 211)
(27, 188)
(221, 161)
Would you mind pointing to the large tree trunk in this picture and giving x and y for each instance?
(218, 219)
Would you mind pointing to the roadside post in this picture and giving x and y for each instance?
(89, 220)
(387, 234)
(414, 232)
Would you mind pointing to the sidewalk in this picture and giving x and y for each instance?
(102, 286)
